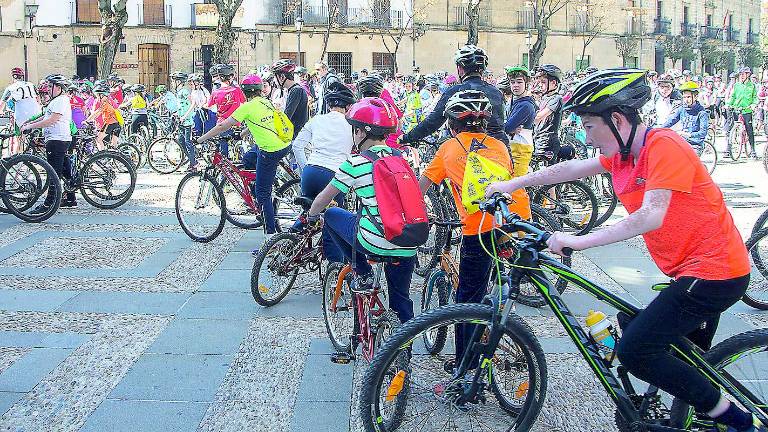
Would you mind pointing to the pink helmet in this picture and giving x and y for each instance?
(451, 79)
(17, 72)
(373, 115)
(251, 82)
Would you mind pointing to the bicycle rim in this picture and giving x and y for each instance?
(24, 182)
(165, 155)
(107, 180)
(273, 275)
(238, 212)
(757, 292)
(709, 157)
(199, 207)
(339, 316)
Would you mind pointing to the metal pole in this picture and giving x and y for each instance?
(298, 48)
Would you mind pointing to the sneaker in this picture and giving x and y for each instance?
(362, 284)
(68, 204)
(40, 209)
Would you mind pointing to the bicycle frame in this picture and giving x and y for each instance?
(240, 179)
(691, 354)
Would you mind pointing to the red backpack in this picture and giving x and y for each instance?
(401, 206)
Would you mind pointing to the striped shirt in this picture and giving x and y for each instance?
(356, 173)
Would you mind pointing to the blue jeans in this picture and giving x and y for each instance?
(185, 139)
(224, 139)
(341, 226)
(313, 180)
(474, 274)
(204, 121)
(265, 164)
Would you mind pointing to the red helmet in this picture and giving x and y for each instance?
(373, 115)
(17, 72)
(284, 66)
(251, 82)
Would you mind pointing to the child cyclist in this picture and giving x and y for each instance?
(692, 116)
(468, 112)
(659, 180)
(372, 120)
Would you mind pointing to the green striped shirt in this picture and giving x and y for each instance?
(356, 173)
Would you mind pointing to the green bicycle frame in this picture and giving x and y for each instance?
(532, 264)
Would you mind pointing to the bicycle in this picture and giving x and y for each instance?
(757, 292)
(283, 258)
(106, 179)
(737, 139)
(501, 378)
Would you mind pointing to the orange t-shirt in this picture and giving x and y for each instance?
(451, 159)
(698, 237)
(108, 116)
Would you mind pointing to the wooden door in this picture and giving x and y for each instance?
(153, 65)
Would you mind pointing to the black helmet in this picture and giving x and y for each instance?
(179, 76)
(222, 70)
(471, 58)
(610, 90)
(113, 77)
(138, 88)
(58, 80)
(339, 95)
(101, 89)
(551, 71)
(372, 85)
(590, 70)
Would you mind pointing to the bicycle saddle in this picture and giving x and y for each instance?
(304, 202)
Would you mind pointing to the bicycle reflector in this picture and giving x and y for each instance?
(396, 386)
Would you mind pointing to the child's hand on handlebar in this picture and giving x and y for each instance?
(564, 244)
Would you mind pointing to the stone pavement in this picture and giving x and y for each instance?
(116, 321)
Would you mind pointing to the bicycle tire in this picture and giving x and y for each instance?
(256, 285)
(283, 199)
(709, 149)
(340, 339)
(218, 198)
(760, 223)
(606, 181)
(736, 147)
(551, 224)
(734, 348)
(562, 211)
(237, 212)
(39, 188)
(437, 287)
(158, 158)
(51, 180)
(386, 322)
(765, 157)
(761, 266)
(101, 160)
(394, 349)
(428, 254)
(132, 153)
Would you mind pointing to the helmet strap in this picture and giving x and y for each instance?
(624, 147)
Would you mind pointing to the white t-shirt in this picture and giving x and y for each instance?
(199, 97)
(59, 131)
(24, 97)
(329, 136)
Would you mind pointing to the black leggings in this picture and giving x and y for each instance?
(137, 120)
(689, 308)
(56, 155)
(750, 130)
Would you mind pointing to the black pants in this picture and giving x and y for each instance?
(474, 274)
(750, 130)
(687, 308)
(56, 155)
(137, 120)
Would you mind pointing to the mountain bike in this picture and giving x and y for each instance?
(24, 183)
(283, 258)
(500, 380)
(738, 139)
(106, 179)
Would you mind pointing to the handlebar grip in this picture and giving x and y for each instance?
(567, 251)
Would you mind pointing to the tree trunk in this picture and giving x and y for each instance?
(537, 50)
(473, 22)
(333, 12)
(584, 44)
(113, 18)
(225, 36)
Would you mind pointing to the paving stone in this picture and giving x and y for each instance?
(34, 300)
(200, 336)
(320, 416)
(324, 381)
(220, 305)
(171, 377)
(228, 280)
(120, 302)
(298, 306)
(26, 372)
(9, 355)
(145, 416)
(8, 399)
(237, 261)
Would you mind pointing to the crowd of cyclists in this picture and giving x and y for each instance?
(489, 129)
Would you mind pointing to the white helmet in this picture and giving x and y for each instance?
(467, 104)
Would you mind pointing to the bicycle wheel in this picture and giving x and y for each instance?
(238, 213)
(283, 198)
(24, 183)
(435, 292)
(572, 202)
(527, 292)
(200, 207)
(339, 317)
(132, 153)
(140, 143)
(273, 274)
(765, 158)
(736, 146)
(760, 223)
(165, 155)
(414, 392)
(606, 197)
(708, 156)
(757, 292)
(428, 254)
(107, 179)
(744, 357)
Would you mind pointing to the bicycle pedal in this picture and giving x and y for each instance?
(342, 358)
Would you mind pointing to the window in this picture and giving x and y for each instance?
(631, 62)
(292, 56)
(582, 63)
(88, 11)
(341, 61)
(154, 12)
(524, 62)
(384, 62)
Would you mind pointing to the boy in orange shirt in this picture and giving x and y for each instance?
(468, 112)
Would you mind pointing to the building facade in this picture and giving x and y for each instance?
(162, 36)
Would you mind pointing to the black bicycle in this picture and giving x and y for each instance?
(500, 381)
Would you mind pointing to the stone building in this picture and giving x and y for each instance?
(166, 35)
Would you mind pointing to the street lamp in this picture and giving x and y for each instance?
(529, 44)
(30, 10)
(299, 26)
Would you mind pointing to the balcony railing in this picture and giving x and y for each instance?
(352, 17)
(688, 29)
(460, 17)
(525, 20)
(733, 35)
(662, 26)
(710, 32)
(753, 38)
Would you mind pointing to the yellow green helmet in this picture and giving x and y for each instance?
(609, 89)
(689, 86)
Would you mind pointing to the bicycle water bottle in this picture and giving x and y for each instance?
(602, 333)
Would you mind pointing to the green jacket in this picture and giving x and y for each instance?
(744, 95)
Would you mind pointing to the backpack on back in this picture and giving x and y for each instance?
(402, 209)
(283, 125)
(479, 172)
